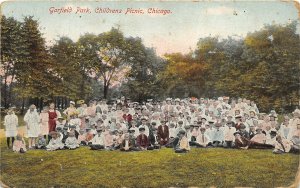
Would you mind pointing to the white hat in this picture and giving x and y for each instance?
(72, 102)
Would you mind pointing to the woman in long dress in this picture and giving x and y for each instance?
(32, 120)
(10, 123)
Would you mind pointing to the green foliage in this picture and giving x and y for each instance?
(264, 67)
(142, 82)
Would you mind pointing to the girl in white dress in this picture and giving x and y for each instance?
(32, 120)
(44, 122)
(10, 123)
(55, 142)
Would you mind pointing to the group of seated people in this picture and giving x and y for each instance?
(173, 123)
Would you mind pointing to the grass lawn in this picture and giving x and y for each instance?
(200, 167)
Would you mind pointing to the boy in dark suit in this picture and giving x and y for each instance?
(163, 133)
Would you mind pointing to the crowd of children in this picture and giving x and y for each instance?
(175, 123)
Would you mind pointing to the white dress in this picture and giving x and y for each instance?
(32, 119)
(11, 123)
(72, 142)
(55, 144)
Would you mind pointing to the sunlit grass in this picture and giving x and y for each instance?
(201, 167)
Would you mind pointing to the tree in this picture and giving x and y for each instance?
(35, 77)
(142, 82)
(10, 55)
(112, 58)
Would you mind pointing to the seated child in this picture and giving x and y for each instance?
(259, 137)
(74, 129)
(82, 138)
(60, 122)
(172, 135)
(132, 137)
(98, 140)
(153, 140)
(55, 142)
(71, 141)
(118, 138)
(181, 144)
(109, 140)
(142, 140)
(244, 132)
(271, 140)
(229, 130)
(127, 144)
(19, 144)
(218, 136)
(64, 134)
(89, 136)
(282, 145)
(202, 140)
(41, 142)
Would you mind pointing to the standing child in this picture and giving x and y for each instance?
(19, 144)
(10, 123)
(44, 122)
(32, 120)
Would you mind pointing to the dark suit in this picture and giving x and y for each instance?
(163, 133)
(142, 141)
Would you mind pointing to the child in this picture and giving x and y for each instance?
(89, 136)
(218, 136)
(259, 137)
(153, 140)
(228, 135)
(98, 140)
(60, 122)
(282, 145)
(10, 123)
(75, 121)
(142, 139)
(127, 144)
(19, 144)
(163, 133)
(74, 129)
(82, 138)
(41, 142)
(71, 141)
(55, 142)
(109, 140)
(181, 144)
(32, 120)
(44, 121)
(202, 139)
(64, 134)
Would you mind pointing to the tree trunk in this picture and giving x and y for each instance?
(23, 106)
(105, 91)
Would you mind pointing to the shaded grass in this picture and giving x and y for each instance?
(201, 167)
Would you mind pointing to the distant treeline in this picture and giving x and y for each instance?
(263, 66)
